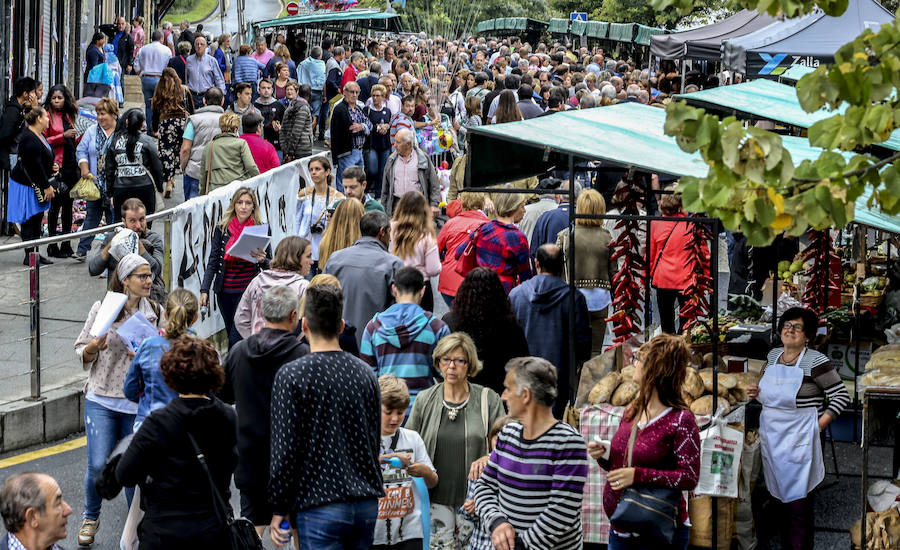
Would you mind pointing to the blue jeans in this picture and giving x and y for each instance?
(104, 428)
(191, 187)
(448, 299)
(354, 158)
(338, 526)
(148, 86)
(375, 161)
(315, 103)
(93, 211)
(682, 534)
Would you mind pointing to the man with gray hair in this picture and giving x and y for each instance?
(34, 512)
(531, 491)
(250, 369)
(409, 169)
(632, 93)
(550, 223)
(366, 82)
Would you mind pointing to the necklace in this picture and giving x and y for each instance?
(792, 361)
(452, 412)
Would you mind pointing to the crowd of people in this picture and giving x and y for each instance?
(345, 384)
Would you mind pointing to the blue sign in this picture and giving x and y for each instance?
(578, 16)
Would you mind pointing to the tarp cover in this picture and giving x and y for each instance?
(795, 73)
(559, 26)
(623, 135)
(768, 100)
(644, 33)
(810, 40)
(705, 42)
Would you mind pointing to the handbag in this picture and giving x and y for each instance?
(241, 532)
(468, 259)
(208, 169)
(85, 189)
(650, 512)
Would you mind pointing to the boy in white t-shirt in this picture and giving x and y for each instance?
(399, 525)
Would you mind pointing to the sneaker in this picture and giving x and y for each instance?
(80, 256)
(89, 528)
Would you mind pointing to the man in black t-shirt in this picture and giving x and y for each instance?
(272, 112)
(326, 436)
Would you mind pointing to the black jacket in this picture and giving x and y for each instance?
(250, 370)
(35, 160)
(215, 266)
(126, 44)
(11, 125)
(494, 357)
(341, 136)
(175, 491)
(179, 63)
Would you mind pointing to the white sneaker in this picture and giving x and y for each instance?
(89, 528)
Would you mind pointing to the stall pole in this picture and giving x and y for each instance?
(648, 307)
(573, 364)
(35, 314)
(714, 336)
(774, 336)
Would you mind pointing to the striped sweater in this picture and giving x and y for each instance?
(400, 341)
(536, 485)
(820, 380)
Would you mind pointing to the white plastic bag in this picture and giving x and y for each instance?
(124, 242)
(720, 459)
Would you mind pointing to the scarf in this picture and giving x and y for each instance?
(100, 144)
(235, 228)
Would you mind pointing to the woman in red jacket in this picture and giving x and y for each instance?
(61, 136)
(670, 262)
(454, 233)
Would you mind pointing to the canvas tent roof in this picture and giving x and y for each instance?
(326, 17)
(809, 40)
(705, 42)
(766, 99)
(624, 135)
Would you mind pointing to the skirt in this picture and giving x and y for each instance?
(171, 131)
(22, 203)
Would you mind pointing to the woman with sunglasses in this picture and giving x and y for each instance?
(795, 384)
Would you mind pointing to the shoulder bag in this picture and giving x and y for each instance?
(208, 168)
(241, 532)
(651, 512)
(468, 260)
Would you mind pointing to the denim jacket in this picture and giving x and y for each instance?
(144, 382)
(312, 72)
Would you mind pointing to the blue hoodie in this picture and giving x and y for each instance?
(400, 341)
(541, 304)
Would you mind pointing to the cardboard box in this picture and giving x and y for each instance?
(843, 358)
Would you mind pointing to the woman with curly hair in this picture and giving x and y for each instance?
(171, 104)
(342, 230)
(482, 310)
(62, 137)
(413, 240)
(163, 456)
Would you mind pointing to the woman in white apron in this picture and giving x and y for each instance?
(795, 383)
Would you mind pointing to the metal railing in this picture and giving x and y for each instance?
(34, 294)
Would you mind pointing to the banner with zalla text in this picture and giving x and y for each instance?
(194, 221)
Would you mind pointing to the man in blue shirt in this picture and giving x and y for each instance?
(202, 72)
(553, 221)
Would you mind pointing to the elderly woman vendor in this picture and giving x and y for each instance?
(801, 393)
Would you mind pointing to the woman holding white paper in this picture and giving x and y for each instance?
(108, 415)
(226, 275)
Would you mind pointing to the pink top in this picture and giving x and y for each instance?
(263, 57)
(137, 34)
(666, 454)
(264, 154)
(406, 175)
(425, 256)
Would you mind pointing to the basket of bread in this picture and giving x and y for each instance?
(883, 368)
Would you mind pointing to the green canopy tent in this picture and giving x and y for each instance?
(558, 26)
(529, 29)
(627, 135)
(768, 100)
(314, 24)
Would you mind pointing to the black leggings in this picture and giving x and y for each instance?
(146, 193)
(665, 301)
(30, 229)
(60, 204)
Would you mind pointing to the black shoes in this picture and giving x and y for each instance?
(65, 251)
(44, 261)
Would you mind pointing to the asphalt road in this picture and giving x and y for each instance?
(255, 10)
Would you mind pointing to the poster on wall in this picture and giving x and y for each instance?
(194, 221)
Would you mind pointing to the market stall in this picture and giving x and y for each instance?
(809, 40)
(527, 28)
(704, 43)
(311, 27)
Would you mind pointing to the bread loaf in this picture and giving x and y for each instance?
(705, 403)
(625, 393)
(603, 390)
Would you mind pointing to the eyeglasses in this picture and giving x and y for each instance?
(142, 276)
(445, 361)
(793, 327)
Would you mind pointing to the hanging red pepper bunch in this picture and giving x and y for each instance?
(628, 282)
(699, 287)
(822, 253)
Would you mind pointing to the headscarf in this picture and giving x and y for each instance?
(128, 264)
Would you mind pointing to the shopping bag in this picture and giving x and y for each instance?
(720, 459)
(85, 189)
(129, 539)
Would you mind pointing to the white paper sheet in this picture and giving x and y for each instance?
(135, 330)
(109, 309)
(252, 238)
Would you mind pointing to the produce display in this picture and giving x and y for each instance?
(745, 308)
(821, 252)
(699, 287)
